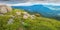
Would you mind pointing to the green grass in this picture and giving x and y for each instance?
(39, 23)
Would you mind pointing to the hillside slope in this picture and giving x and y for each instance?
(16, 19)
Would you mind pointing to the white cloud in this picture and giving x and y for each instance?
(30, 4)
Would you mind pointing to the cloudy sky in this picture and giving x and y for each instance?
(28, 2)
(23, 1)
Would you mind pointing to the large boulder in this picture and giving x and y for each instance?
(5, 9)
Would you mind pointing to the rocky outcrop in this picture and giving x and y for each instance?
(5, 9)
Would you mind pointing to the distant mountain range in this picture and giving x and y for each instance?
(45, 10)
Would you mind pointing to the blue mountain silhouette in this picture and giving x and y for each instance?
(45, 11)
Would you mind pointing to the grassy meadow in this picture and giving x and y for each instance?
(18, 20)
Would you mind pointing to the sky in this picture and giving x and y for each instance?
(23, 1)
(29, 2)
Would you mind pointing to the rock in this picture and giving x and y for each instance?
(18, 13)
(32, 16)
(5, 9)
(38, 15)
(25, 16)
(10, 21)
